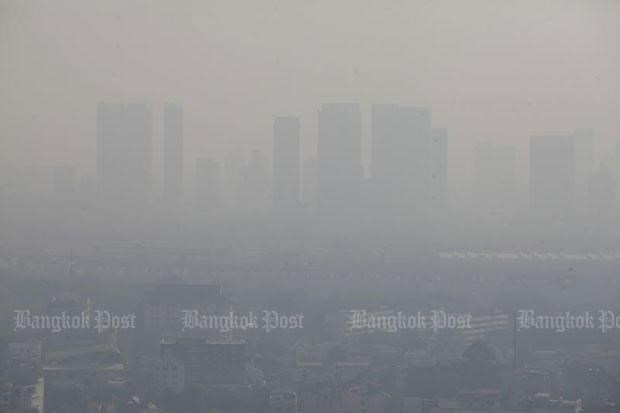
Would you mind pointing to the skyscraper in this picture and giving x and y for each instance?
(286, 164)
(439, 167)
(173, 151)
(339, 157)
(401, 154)
(124, 152)
(552, 172)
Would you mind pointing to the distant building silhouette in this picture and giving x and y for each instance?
(173, 151)
(339, 157)
(552, 172)
(286, 164)
(124, 152)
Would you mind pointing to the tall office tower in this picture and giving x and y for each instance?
(124, 152)
(173, 151)
(401, 155)
(286, 164)
(584, 163)
(494, 176)
(339, 157)
(552, 172)
(207, 182)
(439, 167)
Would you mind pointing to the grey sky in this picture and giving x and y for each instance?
(491, 70)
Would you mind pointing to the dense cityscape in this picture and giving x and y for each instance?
(344, 261)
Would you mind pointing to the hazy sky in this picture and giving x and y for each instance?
(491, 70)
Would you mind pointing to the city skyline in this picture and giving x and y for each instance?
(409, 164)
(310, 206)
(562, 78)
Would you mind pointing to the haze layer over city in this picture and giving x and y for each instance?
(309, 206)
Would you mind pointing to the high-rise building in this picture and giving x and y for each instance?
(401, 154)
(173, 151)
(339, 157)
(207, 182)
(439, 166)
(286, 164)
(552, 172)
(124, 152)
(494, 175)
